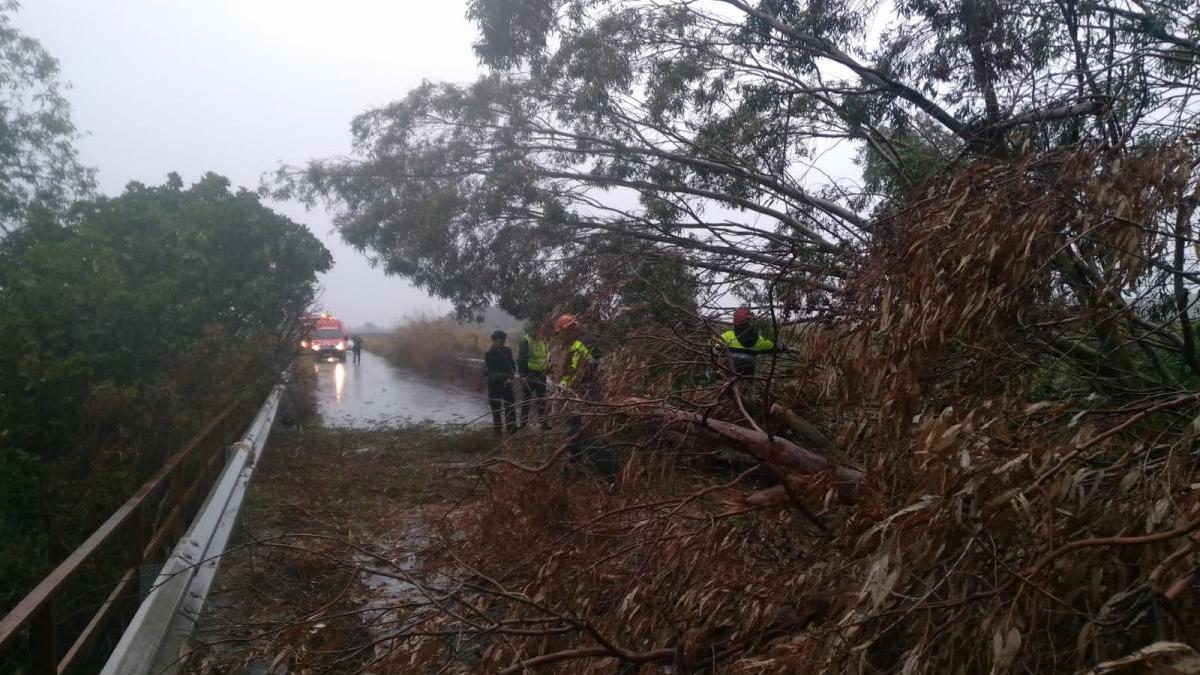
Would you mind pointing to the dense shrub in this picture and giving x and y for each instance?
(431, 345)
(122, 329)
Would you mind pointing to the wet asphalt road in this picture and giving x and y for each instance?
(374, 393)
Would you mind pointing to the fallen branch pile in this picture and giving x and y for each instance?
(981, 470)
(987, 465)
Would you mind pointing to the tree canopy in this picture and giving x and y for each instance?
(126, 322)
(723, 130)
(39, 164)
(101, 317)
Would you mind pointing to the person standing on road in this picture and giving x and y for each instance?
(499, 369)
(533, 362)
(356, 347)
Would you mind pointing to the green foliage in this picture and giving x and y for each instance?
(39, 166)
(611, 130)
(666, 287)
(893, 168)
(513, 31)
(119, 319)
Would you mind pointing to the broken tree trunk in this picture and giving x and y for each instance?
(810, 435)
(781, 455)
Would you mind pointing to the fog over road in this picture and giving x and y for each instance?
(374, 393)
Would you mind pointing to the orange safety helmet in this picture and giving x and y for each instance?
(742, 315)
(564, 322)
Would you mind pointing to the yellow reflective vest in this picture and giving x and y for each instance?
(761, 345)
(743, 356)
(538, 354)
(577, 354)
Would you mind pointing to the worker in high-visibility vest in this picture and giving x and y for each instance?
(578, 383)
(580, 350)
(744, 343)
(533, 363)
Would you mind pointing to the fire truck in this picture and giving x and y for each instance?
(324, 336)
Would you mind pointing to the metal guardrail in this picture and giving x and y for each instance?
(468, 366)
(37, 621)
(468, 371)
(167, 617)
(470, 363)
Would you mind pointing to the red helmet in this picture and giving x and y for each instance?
(742, 315)
(564, 322)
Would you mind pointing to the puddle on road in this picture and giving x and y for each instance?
(374, 393)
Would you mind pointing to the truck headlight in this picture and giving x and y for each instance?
(316, 347)
(341, 346)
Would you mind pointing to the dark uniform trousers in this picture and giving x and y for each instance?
(502, 400)
(533, 391)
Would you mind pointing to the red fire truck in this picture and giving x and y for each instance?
(324, 336)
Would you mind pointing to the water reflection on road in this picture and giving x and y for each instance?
(374, 393)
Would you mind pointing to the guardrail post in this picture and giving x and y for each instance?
(175, 489)
(135, 552)
(44, 631)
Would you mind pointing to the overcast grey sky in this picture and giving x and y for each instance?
(237, 86)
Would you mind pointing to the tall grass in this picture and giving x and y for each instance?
(430, 345)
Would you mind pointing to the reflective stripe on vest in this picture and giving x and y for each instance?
(539, 354)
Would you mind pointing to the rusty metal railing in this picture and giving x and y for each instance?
(162, 505)
(158, 634)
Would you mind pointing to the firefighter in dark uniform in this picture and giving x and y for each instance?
(499, 369)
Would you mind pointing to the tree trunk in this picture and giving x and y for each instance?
(810, 435)
(785, 458)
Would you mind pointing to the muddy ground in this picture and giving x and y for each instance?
(292, 596)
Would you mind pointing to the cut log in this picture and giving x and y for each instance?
(810, 436)
(776, 495)
(808, 433)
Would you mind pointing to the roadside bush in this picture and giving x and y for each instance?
(299, 403)
(122, 330)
